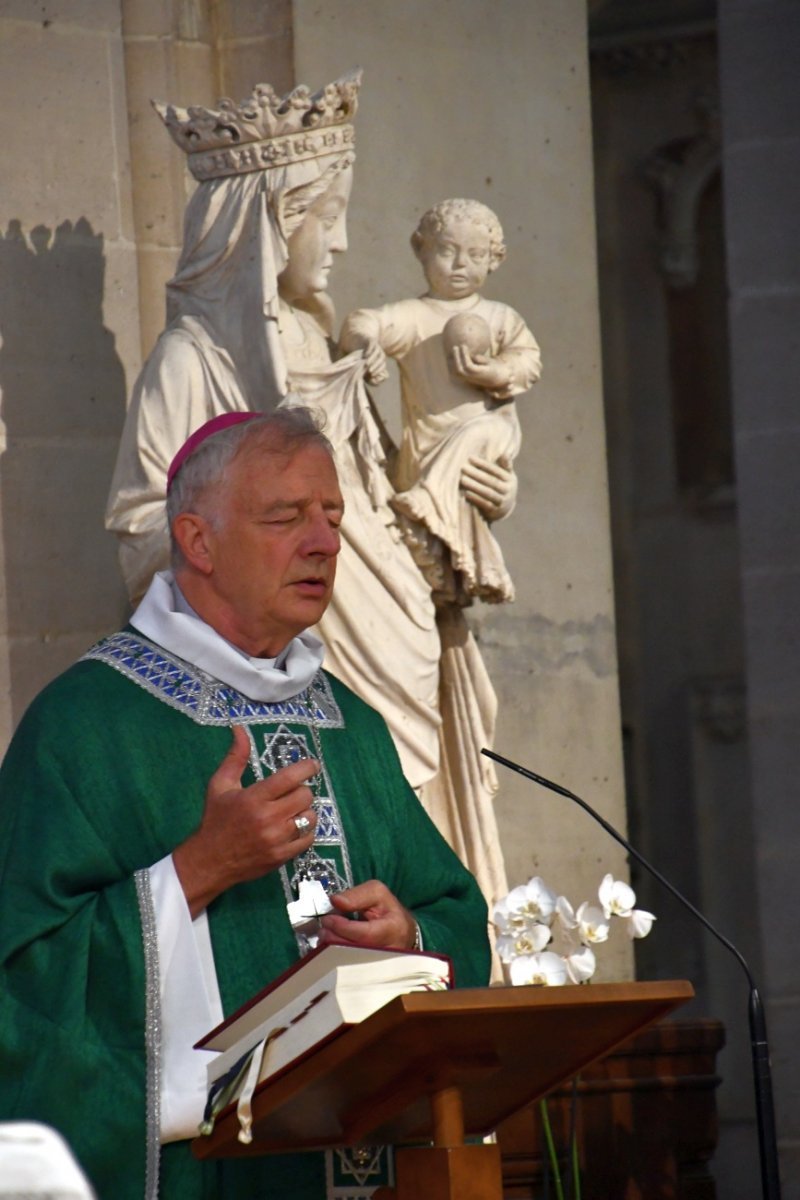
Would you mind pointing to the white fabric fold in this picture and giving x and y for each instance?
(160, 619)
(190, 1003)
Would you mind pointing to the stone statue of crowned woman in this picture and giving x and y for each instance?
(249, 327)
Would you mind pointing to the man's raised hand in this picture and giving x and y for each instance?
(245, 832)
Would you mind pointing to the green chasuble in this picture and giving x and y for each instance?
(105, 776)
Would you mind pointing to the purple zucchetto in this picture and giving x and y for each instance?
(215, 425)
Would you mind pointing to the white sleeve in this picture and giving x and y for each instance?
(190, 1003)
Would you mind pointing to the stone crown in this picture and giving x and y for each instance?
(265, 130)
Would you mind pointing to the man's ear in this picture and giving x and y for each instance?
(193, 536)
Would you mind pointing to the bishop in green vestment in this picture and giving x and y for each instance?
(148, 850)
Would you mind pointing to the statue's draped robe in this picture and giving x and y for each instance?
(106, 775)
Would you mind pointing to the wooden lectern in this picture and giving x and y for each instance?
(434, 1067)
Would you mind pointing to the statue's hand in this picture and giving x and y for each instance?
(490, 486)
(375, 362)
(491, 374)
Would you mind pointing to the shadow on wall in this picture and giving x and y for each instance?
(63, 404)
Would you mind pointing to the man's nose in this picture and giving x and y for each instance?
(322, 538)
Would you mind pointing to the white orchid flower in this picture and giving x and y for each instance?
(541, 899)
(533, 939)
(501, 917)
(545, 970)
(566, 913)
(592, 923)
(529, 904)
(581, 965)
(639, 923)
(504, 945)
(616, 897)
(510, 915)
(533, 917)
(529, 941)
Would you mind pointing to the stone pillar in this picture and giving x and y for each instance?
(169, 56)
(761, 164)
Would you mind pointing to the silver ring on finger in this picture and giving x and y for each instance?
(302, 825)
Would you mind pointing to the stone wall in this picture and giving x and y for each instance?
(69, 330)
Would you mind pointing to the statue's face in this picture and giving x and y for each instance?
(456, 260)
(313, 245)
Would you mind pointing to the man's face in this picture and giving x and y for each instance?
(273, 545)
(456, 260)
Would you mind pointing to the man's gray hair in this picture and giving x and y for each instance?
(284, 431)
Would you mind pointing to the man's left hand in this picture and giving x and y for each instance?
(384, 921)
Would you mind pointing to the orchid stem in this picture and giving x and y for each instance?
(576, 1168)
(551, 1149)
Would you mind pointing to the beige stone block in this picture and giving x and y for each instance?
(60, 371)
(195, 74)
(120, 125)
(157, 164)
(266, 60)
(149, 68)
(156, 267)
(184, 19)
(62, 398)
(61, 572)
(253, 18)
(147, 18)
(55, 16)
(121, 307)
(552, 542)
(36, 661)
(70, 170)
(194, 21)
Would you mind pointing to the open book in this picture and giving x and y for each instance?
(318, 997)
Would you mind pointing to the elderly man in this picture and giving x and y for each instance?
(163, 800)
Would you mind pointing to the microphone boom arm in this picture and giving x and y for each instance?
(759, 1046)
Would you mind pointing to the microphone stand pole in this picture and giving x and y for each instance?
(759, 1047)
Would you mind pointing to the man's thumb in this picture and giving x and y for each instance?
(228, 774)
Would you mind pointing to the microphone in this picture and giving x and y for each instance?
(759, 1046)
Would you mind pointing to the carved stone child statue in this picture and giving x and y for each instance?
(462, 359)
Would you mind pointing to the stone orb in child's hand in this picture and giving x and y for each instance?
(470, 330)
